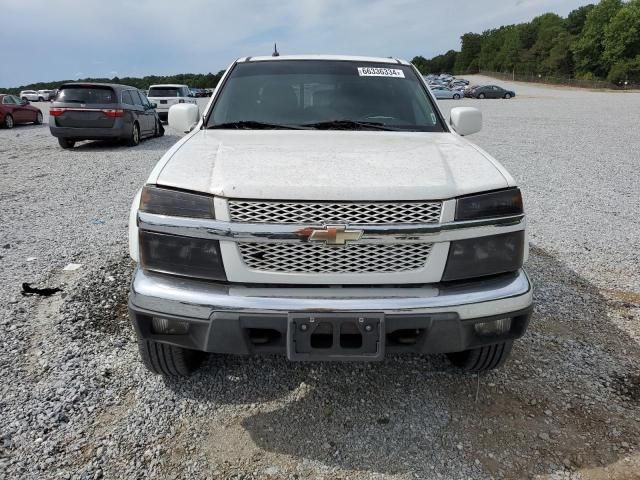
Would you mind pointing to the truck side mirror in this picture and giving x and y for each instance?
(184, 116)
(466, 120)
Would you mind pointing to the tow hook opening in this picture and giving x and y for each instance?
(408, 336)
(350, 336)
(264, 336)
(322, 337)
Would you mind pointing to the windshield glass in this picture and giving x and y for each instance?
(164, 92)
(333, 94)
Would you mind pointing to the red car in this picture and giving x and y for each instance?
(13, 111)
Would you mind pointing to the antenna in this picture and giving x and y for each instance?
(275, 51)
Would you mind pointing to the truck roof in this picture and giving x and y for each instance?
(344, 58)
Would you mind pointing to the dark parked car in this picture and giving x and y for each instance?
(199, 92)
(13, 111)
(100, 111)
(492, 91)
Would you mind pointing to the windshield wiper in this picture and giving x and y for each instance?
(252, 125)
(349, 125)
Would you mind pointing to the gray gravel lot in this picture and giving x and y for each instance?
(75, 401)
(575, 153)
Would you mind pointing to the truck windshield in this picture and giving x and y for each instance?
(164, 92)
(323, 94)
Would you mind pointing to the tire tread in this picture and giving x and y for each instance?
(168, 360)
(482, 359)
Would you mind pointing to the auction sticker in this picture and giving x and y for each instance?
(380, 72)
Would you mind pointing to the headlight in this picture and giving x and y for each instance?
(185, 256)
(477, 257)
(176, 203)
(501, 203)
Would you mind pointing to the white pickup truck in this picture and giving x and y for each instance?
(167, 95)
(325, 209)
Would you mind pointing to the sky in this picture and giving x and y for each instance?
(70, 39)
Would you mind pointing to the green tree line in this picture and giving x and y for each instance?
(593, 42)
(196, 80)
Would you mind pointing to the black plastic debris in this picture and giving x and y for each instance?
(42, 292)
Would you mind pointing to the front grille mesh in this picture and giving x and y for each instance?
(354, 258)
(318, 213)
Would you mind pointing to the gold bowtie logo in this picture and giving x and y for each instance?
(331, 235)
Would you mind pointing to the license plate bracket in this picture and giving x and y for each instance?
(335, 336)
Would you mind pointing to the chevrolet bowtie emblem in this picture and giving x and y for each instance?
(331, 235)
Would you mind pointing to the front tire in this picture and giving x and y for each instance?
(159, 128)
(134, 138)
(482, 359)
(38, 119)
(8, 121)
(168, 360)
(456, 97)
(66, 143)
(40, 99)
(507, 96)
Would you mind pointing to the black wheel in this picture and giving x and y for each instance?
(24, 99)
(8, 121)
(40, 99)
(159, 128)
(507, 96)
(456, 97)
(482, 359)
(134, 138)
(66, 143)
(168, 360)
(38, 118)
(481, 96)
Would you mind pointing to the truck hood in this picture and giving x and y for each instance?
(329, 165)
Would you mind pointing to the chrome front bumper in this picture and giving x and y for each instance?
(170, 295)
(226, 318)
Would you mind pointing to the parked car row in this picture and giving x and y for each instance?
(98, 111)
(446, 86)
(37, 95)
(49, 95)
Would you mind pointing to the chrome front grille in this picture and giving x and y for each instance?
(354, 258)
(318, 213)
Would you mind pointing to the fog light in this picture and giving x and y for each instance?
(493, 328)
(166, 326)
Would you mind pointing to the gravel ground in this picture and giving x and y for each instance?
(75, 401)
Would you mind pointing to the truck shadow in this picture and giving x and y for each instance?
(563, 401)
